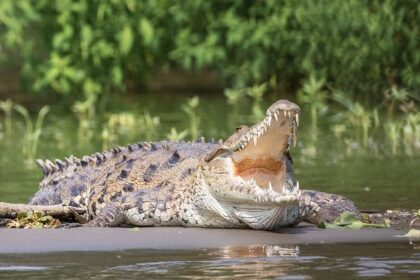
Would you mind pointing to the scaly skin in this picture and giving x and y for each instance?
(247, 181)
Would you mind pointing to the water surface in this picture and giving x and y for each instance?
(373, 177)
(345, 261)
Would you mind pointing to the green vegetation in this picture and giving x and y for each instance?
(86, 48)
(32, 131)
(358, 124)
(33, 219)
(313, 95)
(347, 220)
(7, 108)
(190, 107)
(124, 123)
(353, 64)
(174, 135)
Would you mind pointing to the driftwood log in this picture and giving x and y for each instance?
(12, 210)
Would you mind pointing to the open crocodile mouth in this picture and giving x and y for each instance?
(258, 155)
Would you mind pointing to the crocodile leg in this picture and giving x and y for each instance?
(111, 216)
(319, 207)
(142, 208)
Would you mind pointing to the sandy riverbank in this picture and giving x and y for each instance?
(176, 238)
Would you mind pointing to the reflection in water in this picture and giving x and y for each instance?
(338, 261)
(253, 261)
(19, 268)
(258, 251)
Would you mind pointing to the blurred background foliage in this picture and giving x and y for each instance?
(91, 47)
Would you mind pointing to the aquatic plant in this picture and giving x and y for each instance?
(338, 130)
(234, 95)
(174, 135)
(411, 129)
(313, 96)
(126, 123)
(85, 109)
(7, 108)
(85, 112)
(356, 115)
(394, 97)
(393, 131)
(32, 131)
(148, 125)
(257, 92)
(190, 107)
(122, 122)
(410, 132)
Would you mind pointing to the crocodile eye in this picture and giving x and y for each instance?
(241, 127)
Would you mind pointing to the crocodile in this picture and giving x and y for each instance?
(246, 181)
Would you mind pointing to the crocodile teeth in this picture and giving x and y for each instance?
(269, 118)
(297, 119)
(285, 113)
(275, 116)
(255, 140)
(270, 188)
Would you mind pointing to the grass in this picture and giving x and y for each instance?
(313, 95)
(33, 130)
(7, 108)
(190, 108)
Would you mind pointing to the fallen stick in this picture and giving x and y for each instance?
(12, 210)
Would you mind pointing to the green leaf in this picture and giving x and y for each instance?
(21, 216)
(413, 233)
(29, 214)
(146, 31)
(117, 75)
(348, 220)
(37, 225)
(45, 219)
(126, 40)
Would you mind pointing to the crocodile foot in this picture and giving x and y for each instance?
(320, 207)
